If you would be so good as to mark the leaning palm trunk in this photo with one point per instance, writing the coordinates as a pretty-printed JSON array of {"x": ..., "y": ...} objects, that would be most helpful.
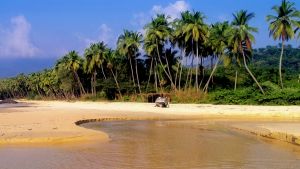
[
  {"x": 169, "y": 68},
  {"x": 116, "y": 81},
  {"x": 202, "y": 79},
  {"x": 150, "y": 73},
  {"x": 245, "y": 64},
  {"x": 132, "y": 75},
  {"x": 169, "y": 76},
  {"x": 205, "y": 89},
  {"x": 103, "y": 71},
  {"x": 82, "y": 91},
  {"x": 155, "y": 79},
  {"x": 280, "y": 65},
  {"x": 176, "y": 75},
  {"x": 137, "y": 76}
]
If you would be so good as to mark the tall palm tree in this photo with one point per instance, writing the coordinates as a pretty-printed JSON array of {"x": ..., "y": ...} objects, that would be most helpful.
[
  {"x": 94, "y": 59},
  {"x": 219, "y": 41},
  {"x": 111, "y": 59},
  {"x": 73, "y": 63},
  {"x": 282, "y": 26},
  {"x": 128, "y": 45},
  {"x": 242, "y": 39},
  {"x": 178, "y": 38},
  {"x": 195, "y": 31},
  {"x": 157, "y": 33}
]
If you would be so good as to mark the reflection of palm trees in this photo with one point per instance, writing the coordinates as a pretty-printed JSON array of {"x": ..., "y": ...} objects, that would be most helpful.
[{"x": 282, "y": 26}]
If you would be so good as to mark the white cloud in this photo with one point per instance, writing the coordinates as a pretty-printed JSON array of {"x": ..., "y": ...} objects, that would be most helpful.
[
  {"x": 173, "y": 10},
  {"x": 15, "y": 41},
  {"x": 104, "y": 33}
]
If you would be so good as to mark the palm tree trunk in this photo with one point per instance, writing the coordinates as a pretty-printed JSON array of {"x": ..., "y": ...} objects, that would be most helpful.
[
  {"x": 181, "y": 66},
  {"x": 202, "y": 79},
  {"x": 82, "y": 91},
  {"x": 137, "y": 76},
  {"x": 205, "y": 89},
  {"x": 170, "y": 78},
  {"x": 150, "y": 73},
  {"x": 103, "y": 71},
  {"x": 95, "y": 83},
  {"x": 92, "y": 84},
  {"x": 177, "y": 70},
  {"x": 116, "y": 81},
  {"x": 197, "y": 67},
  {"x": 245, "y": 64},
  {"x": 180, "y": 75},
  {"x": 159, "y": 81},
  {"x": 191, "y": 71},
  {"x": 132, "y": 75},
  {"x": 280, "y": 65},
  {"x": 235, "y": 81},
  {"x": 155, "y": 81},
  {"x": 169, "y": 69}
]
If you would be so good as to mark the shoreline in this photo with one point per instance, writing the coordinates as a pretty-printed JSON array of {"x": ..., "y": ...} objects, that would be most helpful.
[{"x": 56, "y": 122}]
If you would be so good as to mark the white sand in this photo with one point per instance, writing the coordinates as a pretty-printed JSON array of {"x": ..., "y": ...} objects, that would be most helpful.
[{"x": 33, "y": 122}]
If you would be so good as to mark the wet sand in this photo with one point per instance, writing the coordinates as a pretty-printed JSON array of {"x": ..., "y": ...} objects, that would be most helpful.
[{"x": 53, "y": 122}]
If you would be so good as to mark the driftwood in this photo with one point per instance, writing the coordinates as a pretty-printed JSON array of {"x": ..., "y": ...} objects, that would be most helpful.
[
  {"x": 8, "y": 101},
  {"x": 162, "y": 102}
]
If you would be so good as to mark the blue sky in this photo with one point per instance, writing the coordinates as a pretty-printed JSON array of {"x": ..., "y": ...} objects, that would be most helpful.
[{"x": 46, "y": 29}]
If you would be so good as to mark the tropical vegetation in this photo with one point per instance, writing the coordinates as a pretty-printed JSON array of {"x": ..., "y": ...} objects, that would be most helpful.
[{"x": 185, "y": 58}]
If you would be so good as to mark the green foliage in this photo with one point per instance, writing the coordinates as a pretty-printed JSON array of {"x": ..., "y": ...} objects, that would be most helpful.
[
  {"x": 250, "y": 96},
  {"x": 177, "y": 63}
]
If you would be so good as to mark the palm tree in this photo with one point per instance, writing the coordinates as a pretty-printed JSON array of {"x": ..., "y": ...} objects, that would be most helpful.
[
  {"x": 195, "y": 32},
  {"x": 73, "y": 63},
  {"x": 242, "y": 39},
  {"x": 95, "y": 57},
  {"x": 128, "y": 45},
  {"x": 157, "y": 33},
  {"x": 178, "y": 38},
  {"x": 111, "y": 59},
  {"x": 219, "y": 42},
  {"x": 282, "y": 26}
]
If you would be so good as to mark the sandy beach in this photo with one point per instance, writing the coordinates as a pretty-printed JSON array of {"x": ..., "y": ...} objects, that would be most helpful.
[{"x": 54, "y": 122}]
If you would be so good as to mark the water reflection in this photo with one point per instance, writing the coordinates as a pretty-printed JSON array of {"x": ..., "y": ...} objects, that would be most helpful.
[{"x": 158, "y": 144}]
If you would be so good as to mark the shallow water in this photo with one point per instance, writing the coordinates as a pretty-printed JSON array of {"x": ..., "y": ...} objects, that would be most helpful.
[{"x": 159, "y": 144}]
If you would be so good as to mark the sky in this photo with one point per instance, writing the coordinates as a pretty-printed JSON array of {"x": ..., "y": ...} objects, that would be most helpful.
[{"x": 34, "y": 33}]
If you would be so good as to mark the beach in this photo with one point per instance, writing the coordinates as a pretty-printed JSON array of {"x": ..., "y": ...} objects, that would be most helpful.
[{"x": 56, "y": 122}]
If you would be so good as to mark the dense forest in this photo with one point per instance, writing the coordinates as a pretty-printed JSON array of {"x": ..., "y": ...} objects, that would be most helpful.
[{"x": 186, "y": 59}]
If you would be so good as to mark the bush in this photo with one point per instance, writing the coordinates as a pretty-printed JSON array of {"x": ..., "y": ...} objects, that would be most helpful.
[{"x": 245, "y": 96}]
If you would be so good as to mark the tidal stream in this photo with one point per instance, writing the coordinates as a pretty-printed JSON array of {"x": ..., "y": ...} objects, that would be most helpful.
[{"x": 158, "y": 145}]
